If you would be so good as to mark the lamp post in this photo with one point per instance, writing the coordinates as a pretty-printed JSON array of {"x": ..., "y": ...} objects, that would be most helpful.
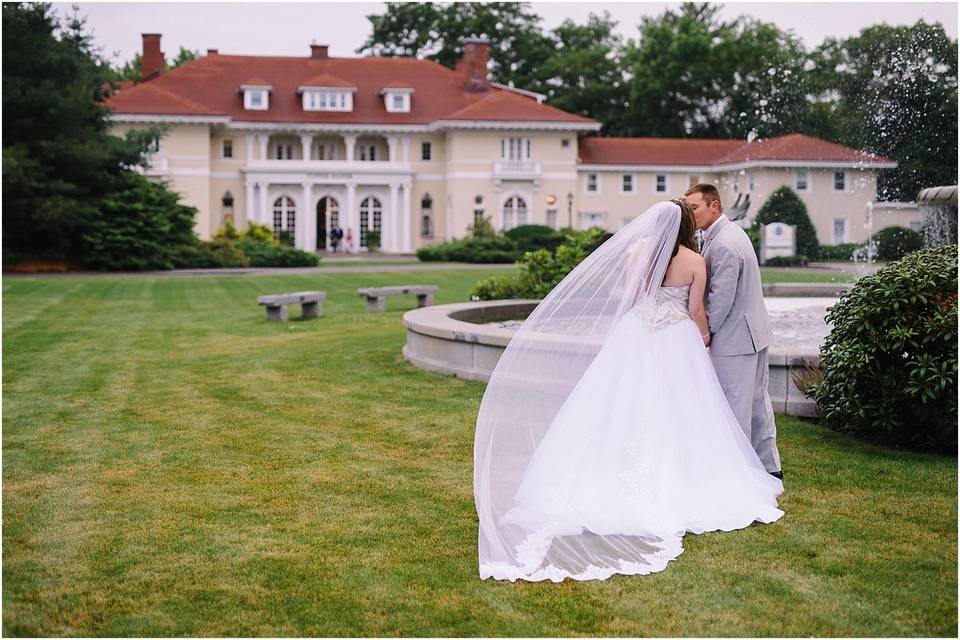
[{"x": 570, "y": 210}]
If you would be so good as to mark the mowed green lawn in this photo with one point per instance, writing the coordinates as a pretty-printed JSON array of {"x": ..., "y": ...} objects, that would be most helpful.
[{"x": 175, "y": 465}]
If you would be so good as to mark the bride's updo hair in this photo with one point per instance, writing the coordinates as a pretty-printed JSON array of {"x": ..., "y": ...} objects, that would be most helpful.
[{"x": 688, "y": 227}]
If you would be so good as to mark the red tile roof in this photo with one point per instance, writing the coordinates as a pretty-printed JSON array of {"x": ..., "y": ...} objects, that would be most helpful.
[
  {"x": 797, "y": 146},
  {"x": 687, "y": 151},
  {"x": 507, "y": 105},
  {"x": 210, "y": 85},
  {"x": 326, "y": 80},
  {"x": 660, "y": 151}
]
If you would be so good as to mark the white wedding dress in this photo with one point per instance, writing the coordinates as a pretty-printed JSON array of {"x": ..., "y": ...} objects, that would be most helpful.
[{"x": 644, "y": 449}]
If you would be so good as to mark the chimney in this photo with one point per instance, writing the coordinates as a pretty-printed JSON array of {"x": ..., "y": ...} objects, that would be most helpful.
[
  {"x": 476, "y": 53},
  {"x": 152, "y": 63},
  {"x": 319, "y": 51},
  {"x": 212, "y": 52}
]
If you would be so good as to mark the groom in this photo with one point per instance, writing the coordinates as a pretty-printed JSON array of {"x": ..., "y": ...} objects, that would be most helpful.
[{"x": 739, "y": 327}]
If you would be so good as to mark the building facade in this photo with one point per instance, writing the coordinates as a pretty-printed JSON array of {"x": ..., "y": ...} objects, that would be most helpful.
[{"x": 419, "y": 152}]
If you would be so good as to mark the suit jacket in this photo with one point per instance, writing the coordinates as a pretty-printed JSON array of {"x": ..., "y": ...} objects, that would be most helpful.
[{"x": 738, "y": 318}]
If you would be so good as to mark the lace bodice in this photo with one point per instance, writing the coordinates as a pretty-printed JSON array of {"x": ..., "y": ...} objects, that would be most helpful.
[{"x": 670, "y": 306}]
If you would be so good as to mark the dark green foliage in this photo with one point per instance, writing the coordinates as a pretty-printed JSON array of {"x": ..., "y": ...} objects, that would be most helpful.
[
  {"x": 891, "y": 90},
  {"x": 530, "y": 237},
  {"x": 216, "y": 254},
  {"x": 483, "y": 249},
  {"x": 787, "y": 261},
  {"x": 540, "y": 271},
  {"x": 139, "y": 225},
  {"x": 890, "y": 361},
  {"x": 838, "y": 252},
  {"x": 270, "y": 254},
  {"x": 373, "y": 240},
  {"x": 131, "y": 70},
  {"x": 786, "y": 206},
  {"x": 895, "y": 242},
  {"x": 59, "y": 162}
]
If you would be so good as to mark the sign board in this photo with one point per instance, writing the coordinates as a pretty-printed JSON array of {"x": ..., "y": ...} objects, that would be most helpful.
[{"x": 777, "y": 239}]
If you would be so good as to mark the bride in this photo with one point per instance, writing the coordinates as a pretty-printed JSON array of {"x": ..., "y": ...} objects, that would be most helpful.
[{"x": 603, "y": 435}]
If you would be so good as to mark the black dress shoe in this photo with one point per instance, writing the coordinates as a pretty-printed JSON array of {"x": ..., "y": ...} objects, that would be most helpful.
[{"x": 776, "y": 474}]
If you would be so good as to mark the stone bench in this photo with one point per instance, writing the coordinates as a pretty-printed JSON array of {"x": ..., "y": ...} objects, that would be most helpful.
[
  {"x": 276, "y": 304},
  {"x": 376, "y": 296}
]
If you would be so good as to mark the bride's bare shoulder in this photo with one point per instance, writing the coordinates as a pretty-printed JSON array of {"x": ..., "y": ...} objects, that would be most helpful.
[{"x": 689, "y": 255}]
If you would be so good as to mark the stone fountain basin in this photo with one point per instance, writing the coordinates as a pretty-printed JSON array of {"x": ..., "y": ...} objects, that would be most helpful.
[{"x": 467, "y": 339}]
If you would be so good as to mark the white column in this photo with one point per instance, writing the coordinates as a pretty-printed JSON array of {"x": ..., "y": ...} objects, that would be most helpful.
[
  {"x": 306, "y": 230},
  {"x": 249, "y": 209},
  {"x": 265, "y": 215},
  {"x": 250, "y": 139},
  {"x": 392, "y": 146},
  {"x": 351, "y": 217},
  {"x": 395, "y": 222},
  {"x": 405, "y": 208},
  {"x": 406, "y": 149},
  {"x": 349, "y": 142},
  {"x": 306, "y": 143},
  {"x": 448, "y": 220},
  {"x": 262, "y": 139}
]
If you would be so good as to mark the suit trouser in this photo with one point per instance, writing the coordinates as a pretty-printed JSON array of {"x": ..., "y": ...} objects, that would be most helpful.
[{"x": 744, "y": 380}]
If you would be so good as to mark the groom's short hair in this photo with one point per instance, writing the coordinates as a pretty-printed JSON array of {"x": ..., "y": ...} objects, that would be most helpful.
[{"x": 710, "y": 193}]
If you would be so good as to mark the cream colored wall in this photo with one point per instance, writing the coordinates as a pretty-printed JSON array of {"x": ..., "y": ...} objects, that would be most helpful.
[
  {"x": 620, "y": 207},
  {"x": 468, "y": 165},
  {"x": 823, "y": 203}
]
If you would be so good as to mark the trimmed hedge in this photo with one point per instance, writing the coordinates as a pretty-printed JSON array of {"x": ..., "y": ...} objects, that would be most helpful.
[
  {"x": 895, "y": 242},
  {"x": 483, "y": 249},
  {"x": 890, "y": 361},
  {"x": 785, "y": 206}
]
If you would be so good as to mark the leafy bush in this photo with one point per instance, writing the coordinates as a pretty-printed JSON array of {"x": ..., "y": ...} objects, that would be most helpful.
[
  {"x": 139, "y": 225},
  {"x": 540, "y": 271},
  {"x": 483, "y": 249},
  {"x": 530, "y": 237},
  {"x": 786, "y": 206},
  {"x": 258, "y": 232},
  {"x": 787, "y": 261},
  {"x": 285, "y": 238},
  {"x": 211, "y": 255},
  {"x": 266, "y": 254},
  {"x": 482, "y": 229},
  {"x": 373, "y": 240},
  {"x": 227, "y": 232},
  {"x": 496, "y": 288},
  {"x": 895, "y": 242},
  {"x": 838, "y": 252},
  {"x": 890, "y": 361}
]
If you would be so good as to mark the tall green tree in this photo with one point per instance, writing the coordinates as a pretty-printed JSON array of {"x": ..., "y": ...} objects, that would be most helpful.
[
  {"x": 130, "y": 70},
  {"x": 893, "y": 91},
  {"x": 434, "y": 31},
  {"x": 584, "y": 74},
  {"x": 693, "y": 74},
  {"x": 60, "y": 163},
  {"x": 58, "y": 158}
]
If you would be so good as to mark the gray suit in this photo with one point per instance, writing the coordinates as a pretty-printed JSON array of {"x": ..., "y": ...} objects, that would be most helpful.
[{"x": 741, "y": 334}]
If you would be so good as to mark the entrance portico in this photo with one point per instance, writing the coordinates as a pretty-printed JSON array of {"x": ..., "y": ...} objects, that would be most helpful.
[{"x": 352, "y": 199}]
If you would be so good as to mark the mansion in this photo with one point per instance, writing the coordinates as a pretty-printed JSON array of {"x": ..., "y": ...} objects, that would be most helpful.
[{"x": 419, "y": 152}]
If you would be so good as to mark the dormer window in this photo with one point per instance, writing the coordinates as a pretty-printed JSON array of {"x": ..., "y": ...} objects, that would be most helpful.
[
  {"x": 396, "y": 98},
  {"x": 256, "y": 96},
  {"x": 327, "y": 100},
  {"x": 326, "y": 93}
]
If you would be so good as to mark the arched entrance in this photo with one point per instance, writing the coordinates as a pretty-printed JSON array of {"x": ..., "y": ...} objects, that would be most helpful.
[
  {"x": 514, "y": 213},
  {"x": 328, "y": 217},
  {"x": 371, "y": 211},
  {"x": 285, "y": 219}
]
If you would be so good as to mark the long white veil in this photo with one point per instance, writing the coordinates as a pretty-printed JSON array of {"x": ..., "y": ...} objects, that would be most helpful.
[{"x": 541, "y": 365}]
